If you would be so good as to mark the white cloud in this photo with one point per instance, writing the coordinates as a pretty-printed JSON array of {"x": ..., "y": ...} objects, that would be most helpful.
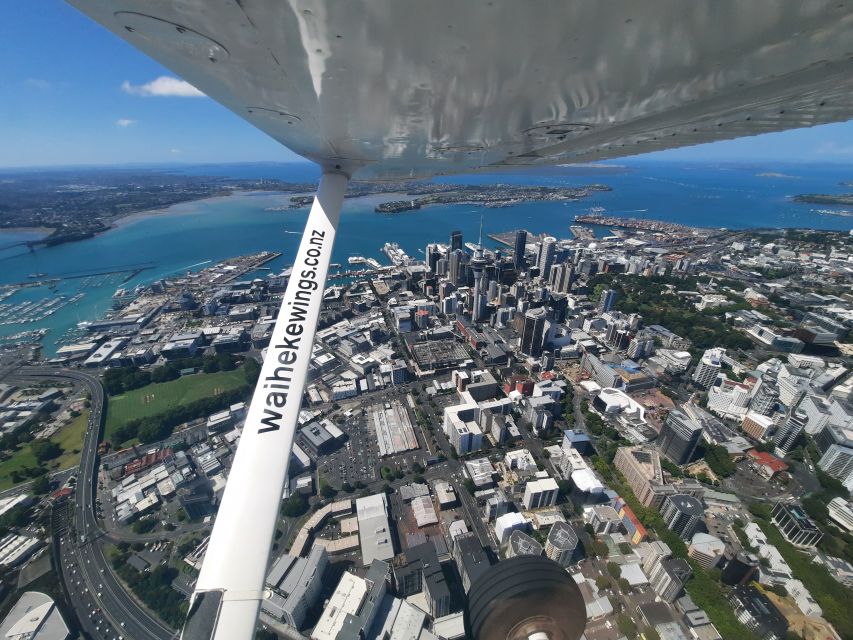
[
  {"x": 174, "y": 151},
  {"x": 125, "y": 122},
  {"x": 164, "y": 86},
  {"x": 832, "y": 148},
  {"x": 38, "y": 83}
]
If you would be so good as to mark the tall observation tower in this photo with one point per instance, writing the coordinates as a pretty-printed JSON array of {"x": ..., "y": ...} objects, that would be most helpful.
[{"x": 478, "y": 266}]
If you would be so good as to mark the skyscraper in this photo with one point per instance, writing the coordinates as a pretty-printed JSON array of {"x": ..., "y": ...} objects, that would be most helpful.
[
  {"x": 518, "y": 259},
  {"x": 532, "y": 332},
  {"x": 546, "y": 256},
  {"x": 432, "y": 256},
  {"x": 788, "y": 433},
  {"x": 679, "y": 436},
  {"x": 607, "y": 300},
  {"x": 561, "y": 277},
  {"x": 455, "y": 241},
  {"x": 456, "y": 268}
]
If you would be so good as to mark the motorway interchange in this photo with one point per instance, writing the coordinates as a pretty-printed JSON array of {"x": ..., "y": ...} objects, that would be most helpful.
[{"x": 104, "y": 608}]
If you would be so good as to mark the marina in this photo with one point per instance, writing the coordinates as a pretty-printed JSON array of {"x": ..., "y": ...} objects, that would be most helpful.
[{"x": 34, "y": 310}]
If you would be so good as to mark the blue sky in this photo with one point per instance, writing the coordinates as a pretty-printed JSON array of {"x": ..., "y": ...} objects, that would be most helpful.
[{"x": 73, "y": 93}]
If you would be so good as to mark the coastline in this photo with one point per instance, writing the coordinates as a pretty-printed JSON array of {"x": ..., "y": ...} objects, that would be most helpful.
[
  {"x": 165, "y": 211},
  {"x": 43, "y": 231}
]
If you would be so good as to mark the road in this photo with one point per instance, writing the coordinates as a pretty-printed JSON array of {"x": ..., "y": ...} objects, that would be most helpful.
[{"x": 88, "y": 575}]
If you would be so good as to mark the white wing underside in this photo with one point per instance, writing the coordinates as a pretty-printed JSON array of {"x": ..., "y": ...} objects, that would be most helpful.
[{"x": 402, "y": 88}]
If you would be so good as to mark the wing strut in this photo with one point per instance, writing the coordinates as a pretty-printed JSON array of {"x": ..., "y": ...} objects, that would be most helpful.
[{"x": 230, "y": 588}]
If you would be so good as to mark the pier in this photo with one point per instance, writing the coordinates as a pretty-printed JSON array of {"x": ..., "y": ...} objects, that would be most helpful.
[
  {"x": 657, "y": 226},
  {"x": 508, "y": 237},
  {"x": 251, "y": 263}
]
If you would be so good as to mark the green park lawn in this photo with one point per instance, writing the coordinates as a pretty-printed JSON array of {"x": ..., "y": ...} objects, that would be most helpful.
[
  {"x": 70, "y": 438},
  {"x": 153, "y": 399}
]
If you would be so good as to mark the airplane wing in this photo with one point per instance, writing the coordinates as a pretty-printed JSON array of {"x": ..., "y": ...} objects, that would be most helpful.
[
  {"x": 404, "y": 88},
  {"x": 388, "y": 89}
]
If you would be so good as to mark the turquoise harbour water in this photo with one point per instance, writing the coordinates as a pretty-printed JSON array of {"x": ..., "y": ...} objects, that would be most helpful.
[{"x": 193, "y": 235}]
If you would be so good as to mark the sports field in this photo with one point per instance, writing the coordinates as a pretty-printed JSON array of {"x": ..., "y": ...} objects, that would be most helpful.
[
  {"x": 70, "y": 438},
  {"x": 157, "y": 398}
]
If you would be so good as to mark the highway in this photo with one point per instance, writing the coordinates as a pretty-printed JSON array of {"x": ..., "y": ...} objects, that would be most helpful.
[{"x": 87, "y": 573}]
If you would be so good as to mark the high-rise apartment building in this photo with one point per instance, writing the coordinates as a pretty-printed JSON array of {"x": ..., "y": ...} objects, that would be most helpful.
[
  {"x": 765, "y": 396},
  {"x": 562, "y": 545},
  {"x": 607, "y": 300},
  {"x": 561, "y": 277},
  {"x": 787, "y": 435},
  {"x": 708, "y": 368},
  {"x": 679, "y": 436},
  {"x": 682, "y": 514}
]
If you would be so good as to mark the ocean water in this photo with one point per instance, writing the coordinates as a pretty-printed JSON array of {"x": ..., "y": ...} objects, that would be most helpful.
[{"x": 192, "y": 235}]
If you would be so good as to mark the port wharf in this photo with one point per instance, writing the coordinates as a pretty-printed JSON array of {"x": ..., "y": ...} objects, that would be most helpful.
[
  {"x": 508, "y": 237},
  {"x": 245, "y": 264},
  {"x": 658, "y": 226}
]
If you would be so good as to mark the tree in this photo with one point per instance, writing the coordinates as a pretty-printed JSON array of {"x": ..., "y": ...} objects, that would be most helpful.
[
  {"x": 328, "y": 491},
  {"x": 719, "y": 460},
  {"x": 295, "y": 506},
  {"x": 41, "y": 485},
  {"x": 45, "y": 450},
  {"x": 144, "y": 526},
  {"x": 226, "y": 362},
  {"x": 832, "y": 487},
  {"x": 16, "y": 517},
  {"x": 252, "y": 370},
  {"x": 602, "y": 582},
  {"x": 599, "y": 549},
  {"x": 671, "y": 468},
  {"x": 626, "y": 625},
  {"x": 614, "y": 569}
]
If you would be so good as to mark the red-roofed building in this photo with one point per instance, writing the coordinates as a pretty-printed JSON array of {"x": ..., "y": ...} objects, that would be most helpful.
[
  {"x": 60, "y": 494},
  {"x": 633, "y": 525},
  {"x": 522, "y": 384},
  {"x": 766, "y": 464}
]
